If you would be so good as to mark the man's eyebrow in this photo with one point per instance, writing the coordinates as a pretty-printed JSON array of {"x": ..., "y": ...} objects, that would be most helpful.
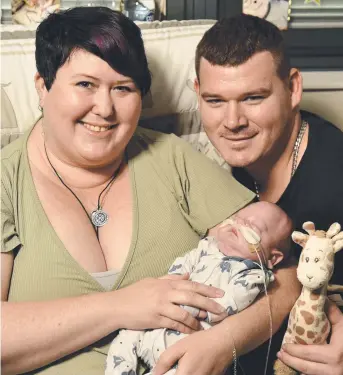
[
  {"x": 257, "y": 91},
  {"x": 206, "y": 94}
]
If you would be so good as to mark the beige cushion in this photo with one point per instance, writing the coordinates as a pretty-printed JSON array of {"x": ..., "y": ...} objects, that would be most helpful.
[{"x": 323, "y": 95}]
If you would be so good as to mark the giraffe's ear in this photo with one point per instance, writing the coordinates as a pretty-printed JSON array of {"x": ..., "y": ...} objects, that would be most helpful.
[
  {"x": 333, "y": 230},
  {"x": 300, "y": 238},
  {"x": 337, "y": 242},
  {"x": 309, "y": 227}
]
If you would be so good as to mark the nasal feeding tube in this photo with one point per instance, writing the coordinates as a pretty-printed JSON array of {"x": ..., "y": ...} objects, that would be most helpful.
[{"x": 254, "y": 242}]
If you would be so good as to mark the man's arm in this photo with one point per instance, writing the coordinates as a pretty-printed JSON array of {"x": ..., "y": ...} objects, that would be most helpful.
[
  {"x": 211, "y": 351},
  {"x": 251, "y": 327}
]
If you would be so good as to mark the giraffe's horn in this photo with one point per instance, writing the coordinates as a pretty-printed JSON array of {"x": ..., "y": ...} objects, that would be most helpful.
[
  {"x": 337, "y": 242},
  {"x": 299, "y": 238},
  {"x": 333, "y": 230},
  {"x": 309, "y": 227}
]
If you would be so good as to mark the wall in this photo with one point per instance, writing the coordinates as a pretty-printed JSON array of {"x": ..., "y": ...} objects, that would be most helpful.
[{"x": 323, "y": 94}]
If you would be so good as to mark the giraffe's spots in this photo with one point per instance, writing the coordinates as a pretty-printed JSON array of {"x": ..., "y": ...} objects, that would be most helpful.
[
  {"x": 330, "y": 256},
  {"x": 314, "y": 296},
  {"x": 300, "y": 302},
  {"x": 309, "y": 318},
  {"x": 289, "y": 331},
  {"x": 318, "y": 340},
  {"x": 310, "y": 334},
  {"x": 300, "y": 340},
  {"x": 325, "y": 327},
  {"x": 329, "y": 267},
  {"x": 293, "y": 313},
  {"x": 314, "y": 307},
  {"x": 299, "y": 330},
  {"x": 318, "y": 321}
]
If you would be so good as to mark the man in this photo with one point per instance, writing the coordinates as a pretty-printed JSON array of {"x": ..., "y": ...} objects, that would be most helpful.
[{"x": 249, "y": 99}]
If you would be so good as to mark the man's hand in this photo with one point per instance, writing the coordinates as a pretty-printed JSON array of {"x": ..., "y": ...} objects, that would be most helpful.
[
  {"x": 203, "y": 353},
  {"x": 318, "y": 359}
]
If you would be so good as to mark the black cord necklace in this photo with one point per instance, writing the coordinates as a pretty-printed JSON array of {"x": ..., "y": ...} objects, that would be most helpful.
[{"x": 98, "y": 217}]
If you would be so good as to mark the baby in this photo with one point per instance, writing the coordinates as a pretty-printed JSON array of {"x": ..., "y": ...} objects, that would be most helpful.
[{"x": 238, "y": 260}]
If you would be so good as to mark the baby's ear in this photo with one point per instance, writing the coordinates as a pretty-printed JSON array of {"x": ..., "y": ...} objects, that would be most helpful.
[{"x": 276, "y": 256}]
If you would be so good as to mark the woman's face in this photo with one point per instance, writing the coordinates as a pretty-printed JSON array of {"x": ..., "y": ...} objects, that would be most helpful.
[{"x": 90, "y": 112}]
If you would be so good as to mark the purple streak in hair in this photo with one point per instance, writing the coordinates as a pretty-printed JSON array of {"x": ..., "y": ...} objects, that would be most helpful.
[
  {"x": 99, "y": 41},
  {"x": 103, "y": 41}
]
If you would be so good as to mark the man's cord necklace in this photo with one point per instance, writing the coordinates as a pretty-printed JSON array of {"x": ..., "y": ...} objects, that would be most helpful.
[
  {"x": 98, "y": 217},
  {"x": 295, "y": 155}
]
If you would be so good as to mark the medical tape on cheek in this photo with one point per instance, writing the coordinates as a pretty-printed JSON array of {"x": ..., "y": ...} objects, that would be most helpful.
[
  {"x": 226, "y": 222},
  {"x": 252, "y": 238}
]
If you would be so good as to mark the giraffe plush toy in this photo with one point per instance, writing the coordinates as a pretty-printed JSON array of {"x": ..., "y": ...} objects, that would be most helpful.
[{"x": 308, "y": 323}]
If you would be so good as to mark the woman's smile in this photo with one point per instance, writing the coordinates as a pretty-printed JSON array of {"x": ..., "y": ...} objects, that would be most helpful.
[{"x": 97, "y": 128}]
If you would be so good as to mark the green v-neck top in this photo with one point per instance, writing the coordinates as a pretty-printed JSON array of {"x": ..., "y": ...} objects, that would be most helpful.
[{"x": 178, "y": 194}]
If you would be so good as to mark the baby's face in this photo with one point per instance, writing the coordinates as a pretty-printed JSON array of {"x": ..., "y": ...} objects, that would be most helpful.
[{"x": 242, "y": 238}]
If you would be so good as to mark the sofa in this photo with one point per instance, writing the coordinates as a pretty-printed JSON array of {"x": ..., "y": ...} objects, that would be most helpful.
[{"x": 171, "y": 106}]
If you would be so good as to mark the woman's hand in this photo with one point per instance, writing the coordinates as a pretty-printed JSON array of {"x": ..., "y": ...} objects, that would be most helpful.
[
  {"x": 155, "y": 303},
  {"x": 202, "y": 353},
  {"x": 318, "y": 359}
]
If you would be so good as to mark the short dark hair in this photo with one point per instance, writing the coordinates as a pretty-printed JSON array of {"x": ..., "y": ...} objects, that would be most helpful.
[
  {"x": 233, "y": 41},
  {"x": 101, "y": 31}
]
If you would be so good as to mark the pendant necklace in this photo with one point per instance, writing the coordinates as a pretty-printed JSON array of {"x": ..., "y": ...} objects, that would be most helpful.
[
  {"x": 98, "y": 217},
  {"x": 295, "y": 155}
]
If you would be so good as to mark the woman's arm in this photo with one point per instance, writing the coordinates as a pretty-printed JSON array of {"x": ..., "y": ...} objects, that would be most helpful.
[{"x": 35, "y": 334}]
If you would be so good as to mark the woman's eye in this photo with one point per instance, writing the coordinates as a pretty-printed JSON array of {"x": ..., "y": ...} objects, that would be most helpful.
[
  {"x": 123, "y": 89},
  {"x": 85, "y": 84}
]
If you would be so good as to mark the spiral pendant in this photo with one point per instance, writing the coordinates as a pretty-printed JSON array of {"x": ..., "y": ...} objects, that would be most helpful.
[{"x": 99, "y": 217}]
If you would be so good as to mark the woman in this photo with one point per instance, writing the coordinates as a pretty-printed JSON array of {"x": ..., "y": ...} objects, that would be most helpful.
[{"x": 91, "y": 204}]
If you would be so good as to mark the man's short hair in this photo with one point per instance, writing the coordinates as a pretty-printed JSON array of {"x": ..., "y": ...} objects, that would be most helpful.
[
  {"x": 232, "y": 41},
  {"x": 101, "y": 31}
]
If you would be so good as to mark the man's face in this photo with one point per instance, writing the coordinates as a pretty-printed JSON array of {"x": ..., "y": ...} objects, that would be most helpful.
[{"x": 247, "y": 111}]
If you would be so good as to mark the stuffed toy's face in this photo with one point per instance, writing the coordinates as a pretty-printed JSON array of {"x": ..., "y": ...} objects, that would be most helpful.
[
  {"x": 258, "y": 8},
  {"x": 316, "y": 263}
]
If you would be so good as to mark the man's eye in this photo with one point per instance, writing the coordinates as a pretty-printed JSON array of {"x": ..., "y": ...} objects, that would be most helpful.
[
  {"x": 253, "y": 98},
  {"x": 85, "y": 84},
  {"x": 213, "y": 101}
]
